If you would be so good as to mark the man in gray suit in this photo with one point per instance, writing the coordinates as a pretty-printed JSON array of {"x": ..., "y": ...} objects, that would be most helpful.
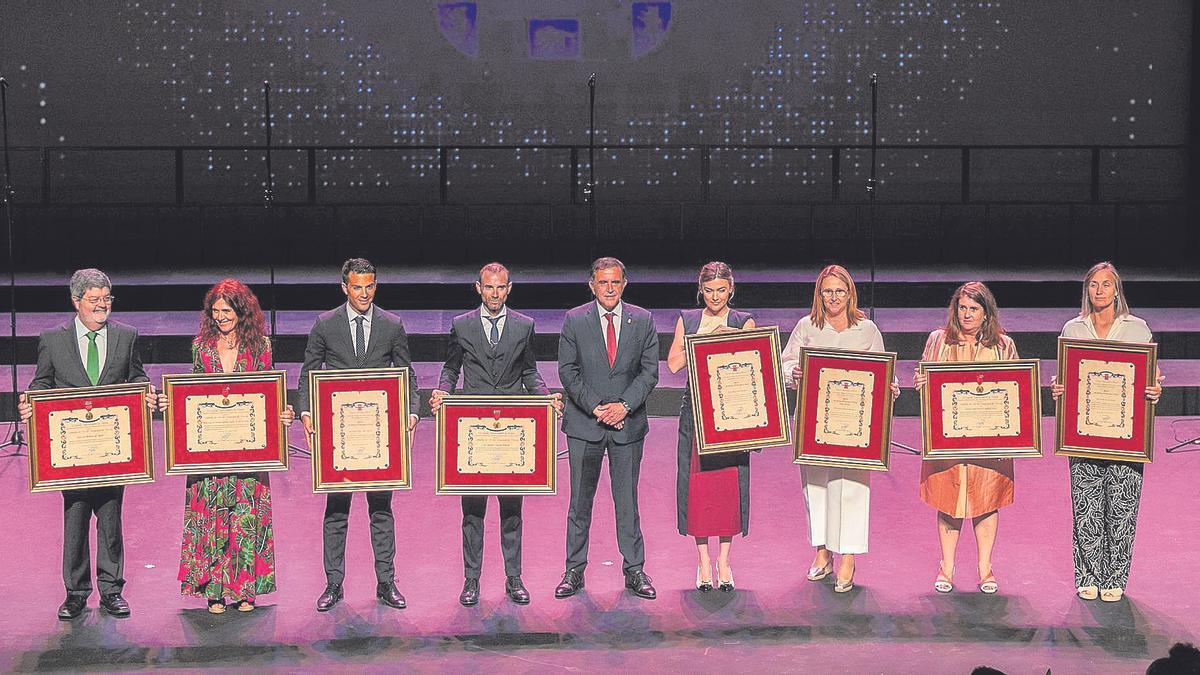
[
  {"x": 608, "y": 364},
  {"x": 90, "y": 350},
  {"x": 492, "y": 347},
  {"x": 357, "y": 335}
]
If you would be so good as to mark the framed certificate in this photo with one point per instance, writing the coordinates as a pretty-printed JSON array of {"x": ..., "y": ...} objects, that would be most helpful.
[
  {"x": 1103, "y": 412},
  {"x": 981, "y": 409},
  {"x": 736, "y": 388},
  {"x": 496, "y": 445},
  {"x": 225, "y": 422},
  {"x": 360, "y": 429},
  {"x": 89, "y": 437},
  {"x": 844, "y": 416}
]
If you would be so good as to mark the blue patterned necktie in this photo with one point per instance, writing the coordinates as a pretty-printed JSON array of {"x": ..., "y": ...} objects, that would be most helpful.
[{"x": 494, "y": 338}]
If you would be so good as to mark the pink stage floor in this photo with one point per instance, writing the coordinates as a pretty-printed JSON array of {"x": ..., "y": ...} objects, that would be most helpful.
[{"x": 893, "y": 622}]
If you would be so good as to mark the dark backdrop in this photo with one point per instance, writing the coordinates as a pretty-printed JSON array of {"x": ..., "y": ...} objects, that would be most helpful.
[{"x": 401, "y": 120}]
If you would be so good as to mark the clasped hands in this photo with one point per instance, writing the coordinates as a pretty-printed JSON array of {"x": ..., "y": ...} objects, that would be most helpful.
[{"x": 613, "y": 414}]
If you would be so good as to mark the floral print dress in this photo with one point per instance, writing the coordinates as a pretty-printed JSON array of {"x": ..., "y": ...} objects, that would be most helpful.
[{"x": 228, "y": 548}]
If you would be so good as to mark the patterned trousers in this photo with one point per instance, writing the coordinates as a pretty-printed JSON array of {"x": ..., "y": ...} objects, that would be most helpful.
[{"x": 1104, "y": 500}]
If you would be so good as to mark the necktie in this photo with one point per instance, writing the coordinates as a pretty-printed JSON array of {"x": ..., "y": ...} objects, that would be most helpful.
[
  {"x": 360, "y": 341},
  {"x": 93, "y": 358},
  {"x": 494, "y": 338},
  {"x": 612, "y": 340}
]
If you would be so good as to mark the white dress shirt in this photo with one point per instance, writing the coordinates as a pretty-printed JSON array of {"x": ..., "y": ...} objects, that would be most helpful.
[
  {"x": 617, "y": 312},
  {"x": 82, "y": 341},
  {"x": 1128, "y": 328},
  {"x": 354, "y": 327},
  {"x": 487, "y": 323}
]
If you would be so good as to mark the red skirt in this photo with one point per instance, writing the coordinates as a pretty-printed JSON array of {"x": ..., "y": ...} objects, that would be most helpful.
[{"x": 714, "y": 501}]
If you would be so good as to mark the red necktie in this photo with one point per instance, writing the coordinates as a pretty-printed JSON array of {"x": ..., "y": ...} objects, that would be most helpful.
[{"x": 612, "y": 340}]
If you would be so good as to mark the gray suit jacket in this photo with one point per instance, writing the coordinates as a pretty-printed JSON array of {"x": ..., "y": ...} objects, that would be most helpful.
[
  {"x": 589, "y": 381},
  {"x": 508, "y": 368},
  {"x": 329, "y": 346},
  {"x": 59, "y": 365}
]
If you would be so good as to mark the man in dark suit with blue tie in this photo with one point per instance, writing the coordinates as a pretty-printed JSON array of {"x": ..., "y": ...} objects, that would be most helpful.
[
  {"x": 492, "y": 347},
  {"x": 90, "y": 350},
  {"x": 358, "y": 335},
  {"x": 608, "y": 364}
]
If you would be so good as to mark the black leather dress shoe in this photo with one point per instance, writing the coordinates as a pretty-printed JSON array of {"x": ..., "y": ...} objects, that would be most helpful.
[
  {"x": 470, "y": 595},
  {"x": 72, "y": 607},
  {"x": 388, "y": 595},
  {"x": 572, "y": 583},
  {"x": 639, "y": 583},
  {"x": 516, "y": 590},
  {"x": 331, "y": 597},
  {"x": 114, "y": 604}
]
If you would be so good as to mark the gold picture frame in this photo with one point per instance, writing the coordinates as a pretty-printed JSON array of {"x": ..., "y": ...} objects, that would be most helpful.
[
  {"x": 542, "y": 476},
  {"x": 183, "y": 460},
  {"x": 326, "y": 474}
]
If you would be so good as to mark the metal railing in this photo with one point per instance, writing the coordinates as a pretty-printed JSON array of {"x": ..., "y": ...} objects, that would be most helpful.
[{"x": 439, "y": 160}]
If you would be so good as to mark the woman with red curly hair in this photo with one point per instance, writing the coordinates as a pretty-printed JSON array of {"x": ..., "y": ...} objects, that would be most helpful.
[{"x": 228, "y": 553}]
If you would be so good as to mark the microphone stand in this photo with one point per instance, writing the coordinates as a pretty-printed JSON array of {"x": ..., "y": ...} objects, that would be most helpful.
[
  {"x": 1183, "y": 444},
  {"x": 589, "y": 188},
  {"x": 16, "y": 439},
  {"x": 871, "y": 189},
  {"x": 269, "y": 201},
  {"x": 269, "y": 204},
  {"x": 907, "y": 449}
]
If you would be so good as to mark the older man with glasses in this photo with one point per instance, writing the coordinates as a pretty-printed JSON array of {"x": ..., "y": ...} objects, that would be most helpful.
[{"x": 90, "y": 350}]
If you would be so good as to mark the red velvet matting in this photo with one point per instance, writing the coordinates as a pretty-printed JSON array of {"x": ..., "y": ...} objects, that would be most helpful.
[
  {"x": 180, "y": 454},
  {"x": 449, "y": 421},
  {"x": 397, "y": 469},
  {"x": 766, "y": 351},
  {"x": 809, "y": 445},
  {"x": 1025, "y": 400},
  {"x": 1070, "y": 401},
  {"x": 137, "y": 412}
]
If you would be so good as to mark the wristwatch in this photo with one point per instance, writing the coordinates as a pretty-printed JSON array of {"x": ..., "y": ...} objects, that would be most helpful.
[{"x": 628, "y": 410}]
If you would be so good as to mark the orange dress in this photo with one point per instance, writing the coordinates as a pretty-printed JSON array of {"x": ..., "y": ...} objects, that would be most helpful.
[{"x": 977, "y": 487}]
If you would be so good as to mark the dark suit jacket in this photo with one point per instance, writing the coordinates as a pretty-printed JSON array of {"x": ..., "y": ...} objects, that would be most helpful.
[
  {"x": 589, "y": 381},
  {"x": 59, "y": 365},
  {"x": 329, "y": 346},
  {"x": 509, "y": 368}
]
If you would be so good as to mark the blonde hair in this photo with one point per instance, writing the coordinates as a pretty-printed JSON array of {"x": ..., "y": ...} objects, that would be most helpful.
[
  {"x": 853, "y": 313},
  {"x": 1122, "y": 305}
]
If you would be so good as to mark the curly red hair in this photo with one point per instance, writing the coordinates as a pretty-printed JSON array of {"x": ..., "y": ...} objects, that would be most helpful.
[{"x": 251, "y": 327}]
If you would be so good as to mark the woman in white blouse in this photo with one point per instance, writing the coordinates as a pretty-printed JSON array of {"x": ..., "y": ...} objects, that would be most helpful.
[
  {"x": 1105, "y": 494},
  {"x": 838, "y": 500}
]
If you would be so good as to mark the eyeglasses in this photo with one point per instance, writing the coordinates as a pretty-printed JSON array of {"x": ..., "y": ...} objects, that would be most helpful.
[
  {"x": 108, "y": 300},
  {"x": 833, "y": 292}
]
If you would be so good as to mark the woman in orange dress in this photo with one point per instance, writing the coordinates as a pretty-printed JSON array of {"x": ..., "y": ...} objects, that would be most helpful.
[{"x": 979, "y": 488}]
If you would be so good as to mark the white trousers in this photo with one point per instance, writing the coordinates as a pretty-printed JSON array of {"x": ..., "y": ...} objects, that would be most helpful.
[{"x": 839, "y": 507}]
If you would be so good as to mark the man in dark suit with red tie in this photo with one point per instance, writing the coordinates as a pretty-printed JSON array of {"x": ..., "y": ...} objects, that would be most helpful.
[
  {"x": 492, "y": 347},
  {"x": 608, "y": 364}
]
